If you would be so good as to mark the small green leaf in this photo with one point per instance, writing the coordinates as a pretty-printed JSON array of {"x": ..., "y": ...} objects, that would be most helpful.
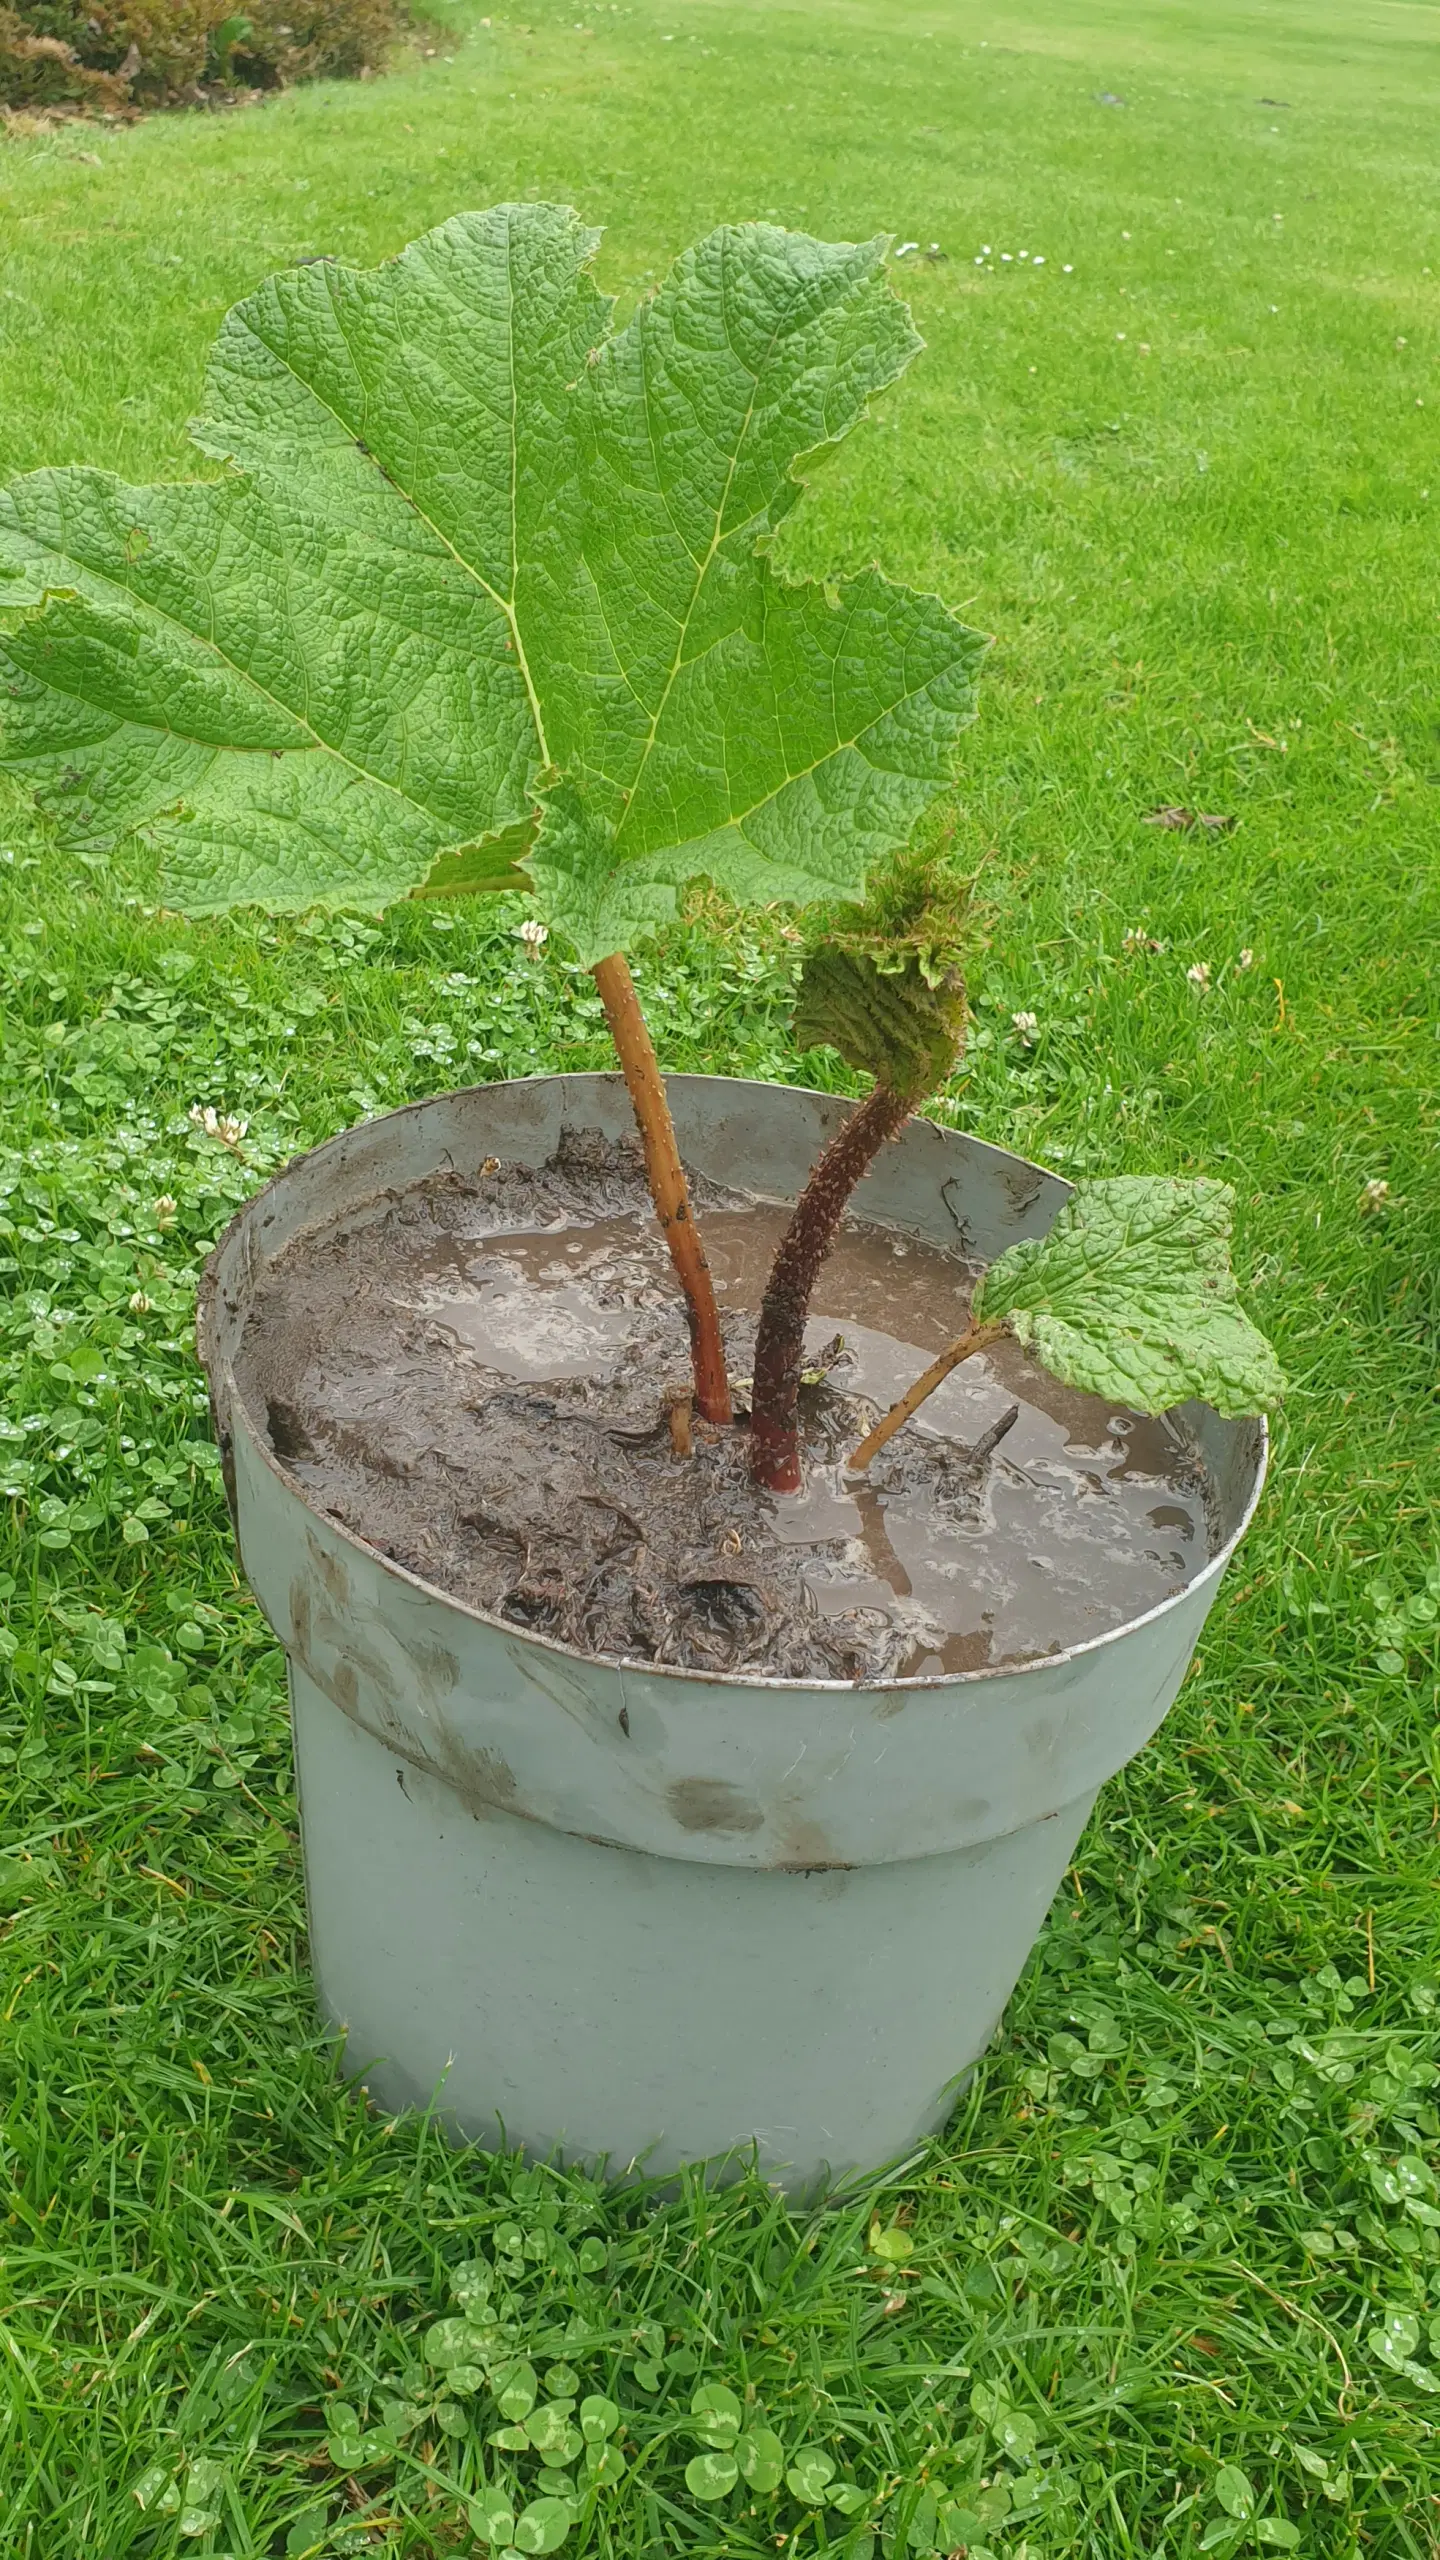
[
  {"x": 1130, "y": 1295},
  {"x": 1234, "y": 2492},
  {"x": 599, "y": 2418},
  {"x": 156, "y": 2488},
  {"x": 455, "y": 2342},
  {"x": 472, "y": 2284},
  {"x": 711, "y": 2475},
  {"x": 492, "y": 2518},
  {"x": 809, "y": 2476},
  {"x": 562, "y": 2382},
  {"x": 593, "y": 2257},
  {"x": 351, "y": 2446},
  {"x": 894, "y": 2247},
  {"x": 544, "y": 2524},
  {"x": 1399, "y": 2337},
  {"x": 1278, "y": 2532},
  {"x": 604, "y": 2465},
  {"x": 761, "y": 2457},
  {"x": 552, "y": 2432},
  {"x": 307, "y": 2535},
  {"x": 647, "y": 2375},
  {"x": 515, "y": 2389},
  {"x": 847, "y": 2497},
  {"x": 1018, "y": 2434},
  {"x": 509, "y": 2439},
  {"x": 717, "y": 2414}
]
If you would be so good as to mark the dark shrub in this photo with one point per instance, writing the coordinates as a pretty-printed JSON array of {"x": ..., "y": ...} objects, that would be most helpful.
[{"x": 118, "y": 54}]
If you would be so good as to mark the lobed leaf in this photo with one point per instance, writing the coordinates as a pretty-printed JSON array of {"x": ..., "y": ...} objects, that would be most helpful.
[
  {"x": 1131, "y": 1296},
  {"x": 473, "y": 562}
]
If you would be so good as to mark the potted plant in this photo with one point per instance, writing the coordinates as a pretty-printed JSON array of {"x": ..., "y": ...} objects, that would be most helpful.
[{"x": 482, "y": 598}]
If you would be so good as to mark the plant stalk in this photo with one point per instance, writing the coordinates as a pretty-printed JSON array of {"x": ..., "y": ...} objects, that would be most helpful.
[
  {"x": 780, "y": 1340},
  {"x": 666, "y": 1176},
  {"x": 974, "y": 1338}
]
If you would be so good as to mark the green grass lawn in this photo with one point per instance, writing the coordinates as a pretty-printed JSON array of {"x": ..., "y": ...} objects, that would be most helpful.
[{"x": 1171, "y": 2282}]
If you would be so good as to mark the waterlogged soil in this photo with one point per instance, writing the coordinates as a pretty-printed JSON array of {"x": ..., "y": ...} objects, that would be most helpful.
[{"x": 487, "y": 1381}]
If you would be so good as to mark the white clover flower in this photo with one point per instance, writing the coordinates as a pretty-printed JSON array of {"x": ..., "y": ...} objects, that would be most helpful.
[
  {"x": 1037, "y": 261},
  {"x": 1246, "y": 959},
  {"x": 985, "y": 251},
  {"x": 1376, "y": 1195},
  {"x": 164, "y": 1210},
  {"x": 1198, "y": 974},
  {"x": 139, "y": 1303},
  {"x": 1027, "y": 1024},
  {"x": 1138, "y": 940},
  {"x": 218, "y": 1124},
  {"x": 533, "y": 933},
  {"x": 1067, "y": 271}
]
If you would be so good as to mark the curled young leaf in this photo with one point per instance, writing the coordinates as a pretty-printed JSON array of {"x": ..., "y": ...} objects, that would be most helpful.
[
  {"x": 883, "y": 1013},
  {"x": 1130, "y": 1295}
]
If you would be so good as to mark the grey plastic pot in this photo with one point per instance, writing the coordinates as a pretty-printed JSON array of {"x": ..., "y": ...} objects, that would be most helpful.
[{"x": 623, "y": 1913}]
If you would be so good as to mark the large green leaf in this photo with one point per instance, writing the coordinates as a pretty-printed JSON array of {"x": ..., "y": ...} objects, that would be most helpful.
[
  {"x": 1130, "y": 1295},
  {"x": 471, "y": 557}
]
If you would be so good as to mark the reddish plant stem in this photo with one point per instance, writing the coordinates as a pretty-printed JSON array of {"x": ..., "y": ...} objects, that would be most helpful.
[
  {"x": 666, "y": 1176},
  {"x": 780, "y": 1341}
]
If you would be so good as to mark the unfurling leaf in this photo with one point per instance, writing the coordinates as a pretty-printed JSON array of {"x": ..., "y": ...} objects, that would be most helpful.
[
  {"x": 474, "y": 562},
  {"x": 883, "y": 1014},
  {"x": 1131, "y": 1296}
]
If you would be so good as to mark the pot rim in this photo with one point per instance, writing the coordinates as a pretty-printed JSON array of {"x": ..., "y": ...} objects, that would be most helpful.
[{"x": 432, "y": 1591}]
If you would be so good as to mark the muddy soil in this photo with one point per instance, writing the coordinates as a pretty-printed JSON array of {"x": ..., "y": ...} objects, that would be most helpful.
[{"x": 481, "y": 1381}]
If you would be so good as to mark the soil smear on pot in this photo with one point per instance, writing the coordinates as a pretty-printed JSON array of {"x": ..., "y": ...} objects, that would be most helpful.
[{"x": 486, "y": 1379}]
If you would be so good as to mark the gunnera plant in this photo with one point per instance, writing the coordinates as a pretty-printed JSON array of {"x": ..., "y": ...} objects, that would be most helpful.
[{"x": 480, "y": 595}]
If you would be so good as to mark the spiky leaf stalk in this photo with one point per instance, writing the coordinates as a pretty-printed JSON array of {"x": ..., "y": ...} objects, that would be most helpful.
[{"x": 892, "y": 1003}]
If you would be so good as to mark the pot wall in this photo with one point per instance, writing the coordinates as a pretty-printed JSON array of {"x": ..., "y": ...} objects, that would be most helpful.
[{"x": 661, "y": 1915}]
